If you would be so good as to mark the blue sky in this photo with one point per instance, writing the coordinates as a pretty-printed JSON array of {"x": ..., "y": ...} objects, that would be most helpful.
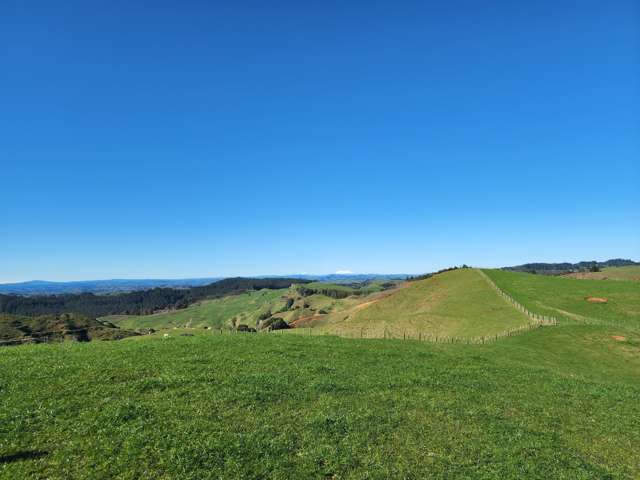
[{"x": 182, "y": 139}]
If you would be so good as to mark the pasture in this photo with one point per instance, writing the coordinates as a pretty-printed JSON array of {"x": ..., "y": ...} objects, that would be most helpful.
[
  {"x": 558, "y": 402},
  {"x": 246, "y": 307},
  {"x": 574, "y": 300},
  {"x": 458, "y": 303}
]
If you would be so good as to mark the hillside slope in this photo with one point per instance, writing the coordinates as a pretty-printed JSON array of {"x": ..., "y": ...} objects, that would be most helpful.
[
  {"x": 457, "y": 303},
  {"x": 290, "y": 304},
  {"x": 570, "y": 299},
  {"x": 217, "y": 313}
]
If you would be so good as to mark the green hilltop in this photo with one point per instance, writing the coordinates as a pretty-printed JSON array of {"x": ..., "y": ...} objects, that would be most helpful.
[
  {"x": 574, "y": 300},
  {"x": 459, "y": 303}
]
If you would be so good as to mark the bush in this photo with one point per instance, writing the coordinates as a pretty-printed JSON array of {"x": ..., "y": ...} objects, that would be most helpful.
[
  {"x": 278, "y": 324},
  {"x": 245, "y": 328}
]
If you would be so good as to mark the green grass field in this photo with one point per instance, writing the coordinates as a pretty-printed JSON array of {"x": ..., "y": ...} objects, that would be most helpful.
[
  {"x": 246, "y": 307},
  {"x": 459, "y": 303},
  {"x": 566, "y": 298},
  {"x": 557, "y": 402},
  {"x": 365, "y": 289},
  {"x": 628, "y": 272}
]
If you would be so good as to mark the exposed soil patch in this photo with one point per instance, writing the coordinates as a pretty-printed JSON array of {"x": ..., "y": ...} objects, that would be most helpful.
[
  {"x": 366, "y": 304},
  {"x": 619, "y": 338},
  {"x": 296, "y": 323},
  {"x": 596, "y": 300}
]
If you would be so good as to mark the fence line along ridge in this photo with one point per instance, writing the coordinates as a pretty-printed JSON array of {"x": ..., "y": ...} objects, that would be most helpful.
[{"x": 536, "y": 317}]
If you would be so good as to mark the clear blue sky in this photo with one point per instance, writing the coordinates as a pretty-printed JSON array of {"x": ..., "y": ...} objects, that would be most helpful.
[{"x": 198, "y": 138}]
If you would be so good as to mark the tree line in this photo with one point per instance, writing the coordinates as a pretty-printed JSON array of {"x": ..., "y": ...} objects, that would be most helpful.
[
  {"x": 566, "y": 267},
  {"x": 143, "y": 302},
  {"x": 429, "y": 275}
]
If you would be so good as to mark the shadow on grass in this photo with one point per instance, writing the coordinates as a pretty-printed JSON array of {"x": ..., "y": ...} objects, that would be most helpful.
[{"x": 24, "y": 455}]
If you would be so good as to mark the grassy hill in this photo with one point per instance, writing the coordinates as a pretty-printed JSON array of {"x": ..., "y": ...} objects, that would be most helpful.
[
  {"x": 456, "y": 303},
  {"x": 570, "y": 299},
  {"x": 556, "y": 402},
  {"x": 246, "y": 307},
  {"x": 629, "y": 272},
  {"x": 341, "y": 290},
  {"x": 292, "y": 304},
  {"x": 15, "y": 329}
]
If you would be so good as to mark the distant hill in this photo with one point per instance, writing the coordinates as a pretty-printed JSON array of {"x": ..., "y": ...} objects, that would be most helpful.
[
  {"x": 563, "y": 268},
  {"x": 353, "y": 277},
  {"x": 135, "y": 303},
  {"x": 42, "y": 287},
  {"x": 256, "y": 308},
  {"x": 627, "y": 272},
  {"x": 104, "y": 287}
]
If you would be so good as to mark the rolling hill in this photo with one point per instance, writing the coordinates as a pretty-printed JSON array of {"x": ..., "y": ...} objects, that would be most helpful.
[
  {"x": 138, "y": 302},
  {"x": 457, "y": 303},
  {"x": 102, "y": 287},
  {"x": 216, "y": 313},
  {"x": 567, "y": 267},
  {"x": 574, "y": 300},
  {"x": 291, "y": 304}
]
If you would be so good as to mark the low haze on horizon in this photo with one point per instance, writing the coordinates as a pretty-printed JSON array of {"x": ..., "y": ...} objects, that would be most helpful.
[{"x": 243, "y": 138}]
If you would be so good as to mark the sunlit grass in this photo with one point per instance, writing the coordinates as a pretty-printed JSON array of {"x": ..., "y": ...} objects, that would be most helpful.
[{"x": 559, "y": 402}]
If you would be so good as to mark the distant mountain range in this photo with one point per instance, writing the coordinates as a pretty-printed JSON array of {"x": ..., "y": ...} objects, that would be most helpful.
[
  {"x": 42, "y": 287},
  {"x": 351, "y": 277},
  {"x": 104, "y": 287}
]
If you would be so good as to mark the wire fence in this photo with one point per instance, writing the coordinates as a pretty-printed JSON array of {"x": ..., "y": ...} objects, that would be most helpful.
[
  {"x": 535, "y": 317},
  {"x": 551, "y": 320},
  {"x": 414, "y": 335}
]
